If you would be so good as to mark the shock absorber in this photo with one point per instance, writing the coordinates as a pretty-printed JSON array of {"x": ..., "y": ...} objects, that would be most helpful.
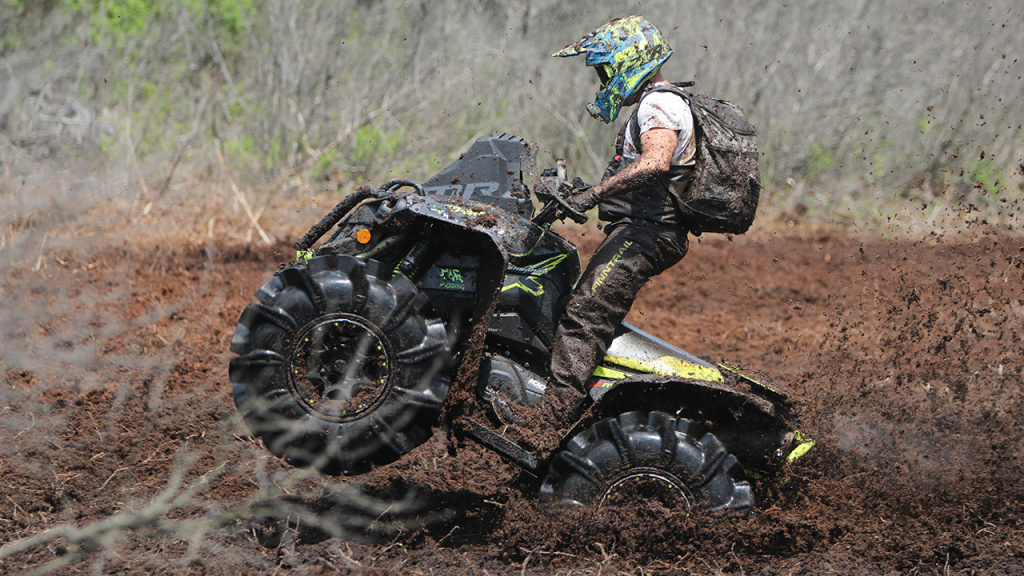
[{"x": 411, "y": 263}]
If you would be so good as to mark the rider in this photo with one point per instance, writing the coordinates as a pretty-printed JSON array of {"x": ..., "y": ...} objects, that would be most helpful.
[{"x": 637, "y": 197}]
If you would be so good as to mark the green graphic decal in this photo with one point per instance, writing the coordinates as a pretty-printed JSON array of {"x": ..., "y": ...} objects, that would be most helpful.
[
  {"x": 451, "y": 279},
  {"x": 446, "y": 210},
  {"x": 534, "y": 272}
]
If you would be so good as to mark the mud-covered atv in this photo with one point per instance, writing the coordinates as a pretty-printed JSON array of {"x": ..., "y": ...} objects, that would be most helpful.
[{"x": 450, "y": 290}]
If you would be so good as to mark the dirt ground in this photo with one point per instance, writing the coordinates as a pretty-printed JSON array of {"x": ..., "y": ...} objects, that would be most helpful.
[{"x": 121, "y": 452}]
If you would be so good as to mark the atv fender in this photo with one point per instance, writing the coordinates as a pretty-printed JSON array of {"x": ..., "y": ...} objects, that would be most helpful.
[{"x": 757, "y": 430}]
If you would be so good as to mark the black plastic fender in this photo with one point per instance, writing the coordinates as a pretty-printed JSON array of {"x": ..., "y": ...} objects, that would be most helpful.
[{"x": 758, "y": 430}]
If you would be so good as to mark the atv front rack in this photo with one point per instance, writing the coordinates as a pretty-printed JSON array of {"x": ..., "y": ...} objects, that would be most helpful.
[{"x": 346, "y": 205}]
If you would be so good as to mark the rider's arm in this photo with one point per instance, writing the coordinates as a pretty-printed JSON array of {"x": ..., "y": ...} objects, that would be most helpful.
[{"x": 658, "y": 146}]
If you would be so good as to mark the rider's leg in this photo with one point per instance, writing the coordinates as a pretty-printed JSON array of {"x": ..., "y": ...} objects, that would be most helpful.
[{"x": 630, "y": 255}]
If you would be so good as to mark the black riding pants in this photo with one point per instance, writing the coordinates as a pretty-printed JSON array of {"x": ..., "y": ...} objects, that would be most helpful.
[{"x": 631, "y": 254}]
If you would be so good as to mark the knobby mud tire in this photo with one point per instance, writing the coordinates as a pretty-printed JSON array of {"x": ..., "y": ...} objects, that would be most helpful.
[
  {"x": 339, "y": 366},
  {"x": 674, "y": 452}
]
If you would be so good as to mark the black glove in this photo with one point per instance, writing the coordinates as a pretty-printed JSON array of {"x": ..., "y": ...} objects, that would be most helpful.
[{"x": 582, "y": 200}]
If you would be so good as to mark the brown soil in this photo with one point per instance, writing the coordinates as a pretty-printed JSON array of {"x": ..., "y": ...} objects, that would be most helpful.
[{"x": 120, "y": 436}]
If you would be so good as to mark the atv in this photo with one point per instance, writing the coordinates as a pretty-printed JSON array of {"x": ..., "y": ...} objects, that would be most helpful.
[{"x": 435, "y": 304}]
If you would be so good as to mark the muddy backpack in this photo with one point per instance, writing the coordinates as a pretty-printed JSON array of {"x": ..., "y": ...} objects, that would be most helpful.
[{"x": 725, "y": 186}]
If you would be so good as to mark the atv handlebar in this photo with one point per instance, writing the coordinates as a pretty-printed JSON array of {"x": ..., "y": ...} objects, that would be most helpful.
[{"x": 553, "y": 189}]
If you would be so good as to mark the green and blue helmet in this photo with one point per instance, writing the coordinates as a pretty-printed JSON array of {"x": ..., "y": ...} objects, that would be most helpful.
[{"x": 626, "y": 52}]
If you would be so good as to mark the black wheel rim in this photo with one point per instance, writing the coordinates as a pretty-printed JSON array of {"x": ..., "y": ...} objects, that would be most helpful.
[
  {"x": 646, "y": 483},
  {"x": 340, "y": 367}
]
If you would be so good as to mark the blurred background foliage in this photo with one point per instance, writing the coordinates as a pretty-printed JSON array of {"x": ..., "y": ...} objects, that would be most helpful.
[{"x": 866, "y": 109}]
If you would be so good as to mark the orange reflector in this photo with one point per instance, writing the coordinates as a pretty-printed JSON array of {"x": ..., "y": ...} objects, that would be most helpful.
[{"x": 363, "y": 236}]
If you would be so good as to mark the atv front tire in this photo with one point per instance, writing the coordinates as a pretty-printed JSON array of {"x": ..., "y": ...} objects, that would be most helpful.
[
  {"x": 616, "y": 457},
  {"x": 337, "y": 367}
]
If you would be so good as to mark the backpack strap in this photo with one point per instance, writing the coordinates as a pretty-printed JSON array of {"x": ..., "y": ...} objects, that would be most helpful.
[
  {"x": 615, "y": 164},
  {"x": 620, "y": 139}
]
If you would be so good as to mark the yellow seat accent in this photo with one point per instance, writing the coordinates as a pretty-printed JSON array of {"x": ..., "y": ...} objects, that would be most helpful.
[
  {"x": 602, "y": 372},
  {"x": 668, "y": 366}
]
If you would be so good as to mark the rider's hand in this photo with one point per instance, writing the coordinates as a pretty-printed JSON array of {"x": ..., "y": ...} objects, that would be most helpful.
[{"x": 582, "y": 200}]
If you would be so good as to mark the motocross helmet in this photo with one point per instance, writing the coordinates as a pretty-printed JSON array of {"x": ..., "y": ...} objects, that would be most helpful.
[{"x": 626, "y": 52}]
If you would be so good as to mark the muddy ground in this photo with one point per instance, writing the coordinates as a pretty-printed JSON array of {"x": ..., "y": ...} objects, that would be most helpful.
[{"x": 120, "y": 450}]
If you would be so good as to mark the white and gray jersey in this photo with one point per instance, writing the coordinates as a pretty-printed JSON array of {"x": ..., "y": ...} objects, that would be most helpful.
[{"x": 665, "y": 110}]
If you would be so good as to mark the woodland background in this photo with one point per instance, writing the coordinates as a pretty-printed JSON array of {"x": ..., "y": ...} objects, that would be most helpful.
[{"x": 869, "y": 110}]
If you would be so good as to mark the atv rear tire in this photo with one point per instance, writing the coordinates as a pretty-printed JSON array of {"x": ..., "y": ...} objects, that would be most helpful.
[
  {"x": 667, "y": 454},
  {"x": 338, "y": 368}
]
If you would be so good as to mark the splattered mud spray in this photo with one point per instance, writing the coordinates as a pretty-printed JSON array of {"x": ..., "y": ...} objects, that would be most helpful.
[{"x": 119, "y": 431}]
